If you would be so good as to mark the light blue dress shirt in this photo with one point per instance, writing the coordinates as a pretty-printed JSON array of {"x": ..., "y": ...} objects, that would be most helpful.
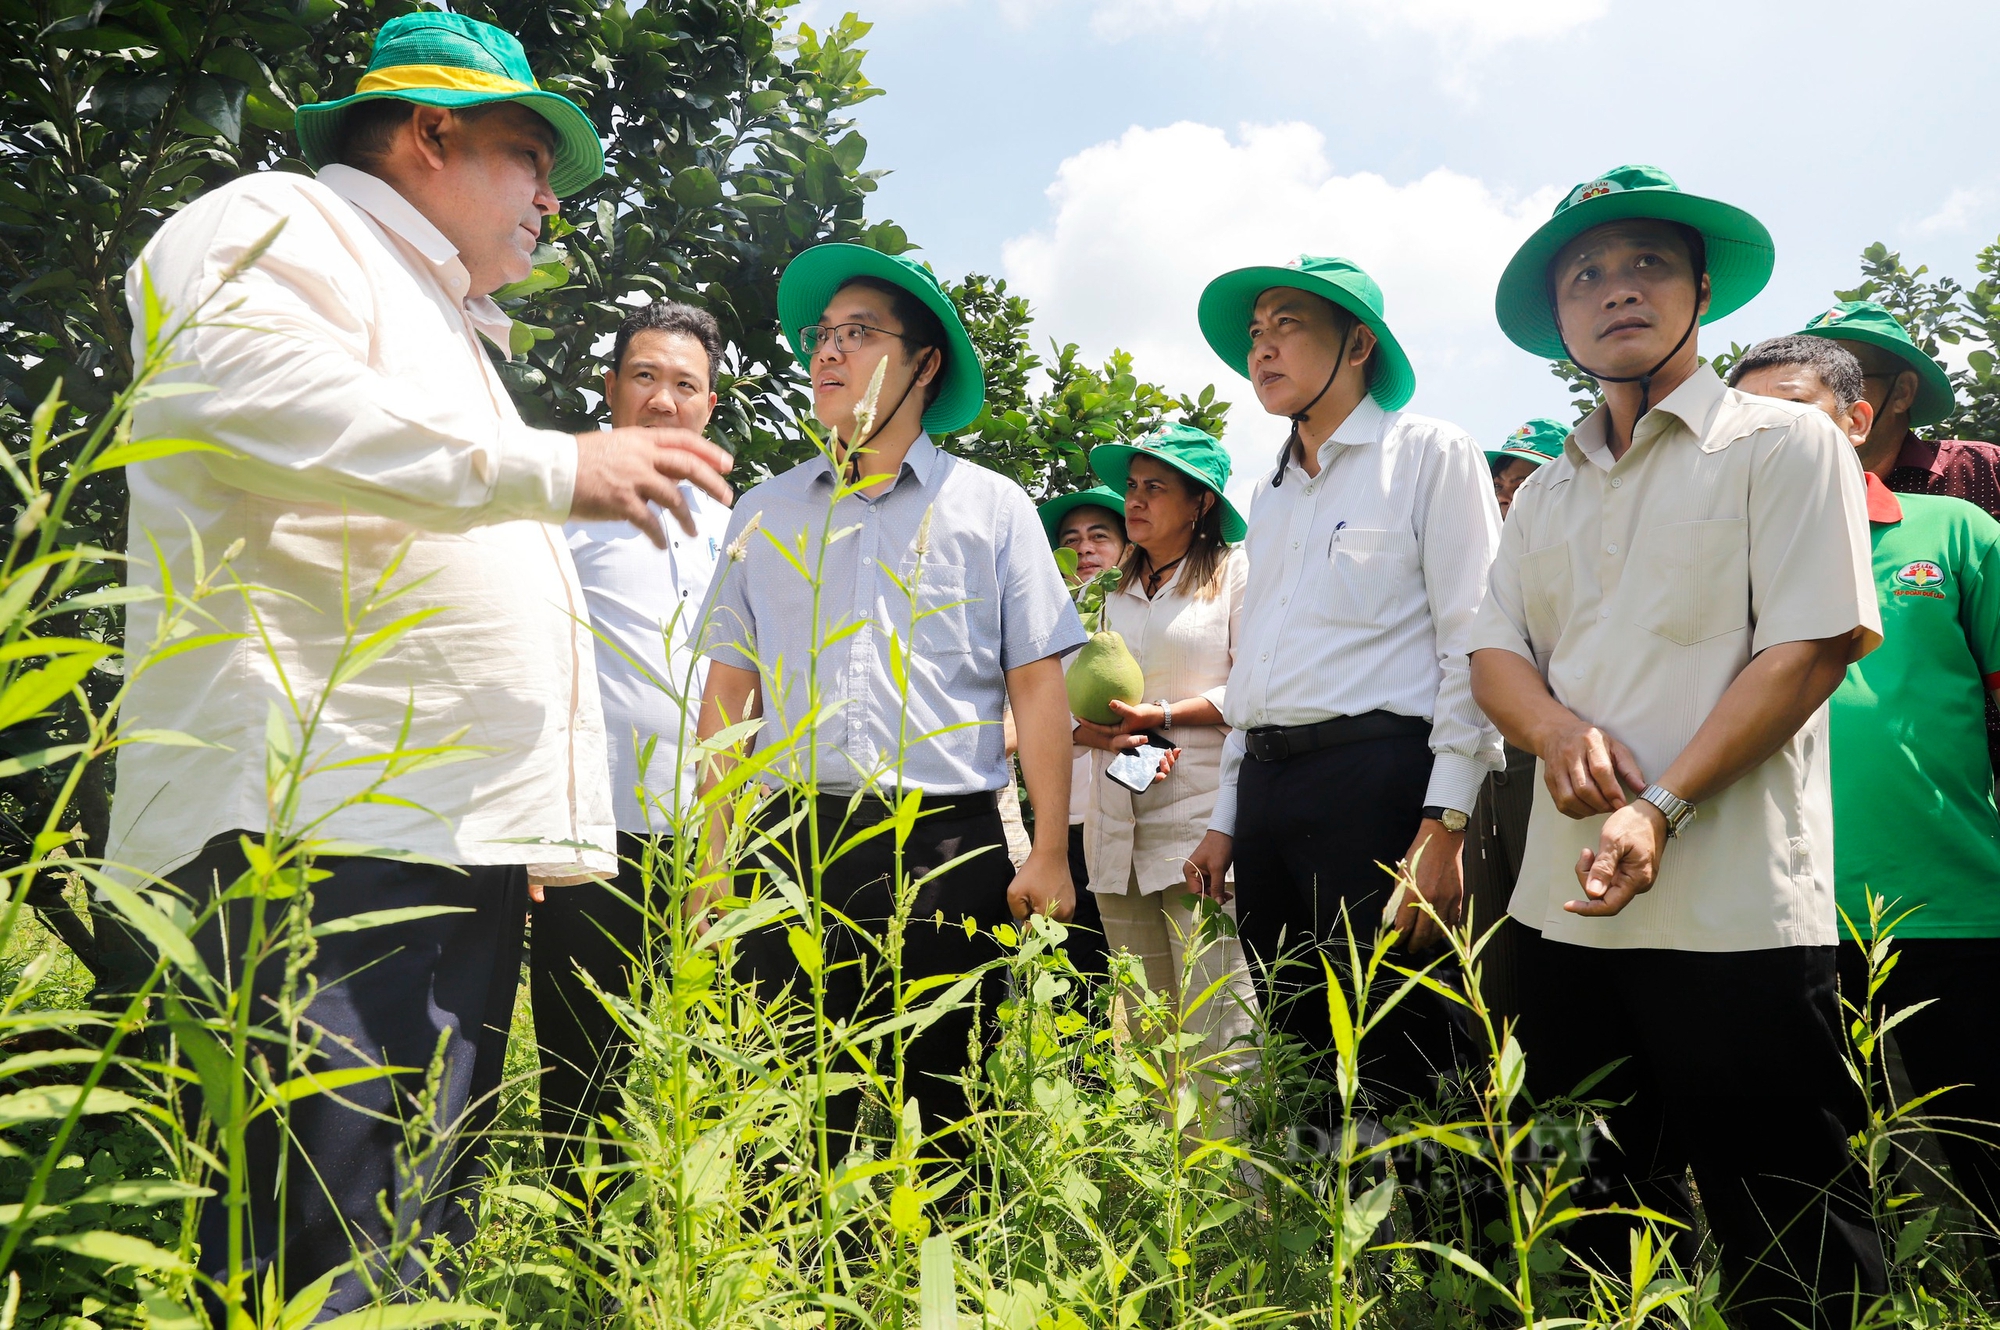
[{"x": 989, "y": 596}]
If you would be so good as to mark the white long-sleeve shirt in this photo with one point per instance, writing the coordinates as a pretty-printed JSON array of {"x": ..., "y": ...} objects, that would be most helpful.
[
  {"x": 649, "y": 604},
  {"x": 364, "y": 415},
  {"x": 1365, "y": 581}
]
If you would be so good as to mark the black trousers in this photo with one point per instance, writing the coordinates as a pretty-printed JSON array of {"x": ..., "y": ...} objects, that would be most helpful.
[
  {"x": 611, "y": 932},
  {"x": 1312, "y": 834},
  {"x": 1948, "y": 1043},
  {"x": 859, "y": 887},
  {"x": 387, "y": 996},
  {"x": 1085, "y": 947},
  {"x": 1733, "y": 1068},
  {"x": 1495, "y": 842}
]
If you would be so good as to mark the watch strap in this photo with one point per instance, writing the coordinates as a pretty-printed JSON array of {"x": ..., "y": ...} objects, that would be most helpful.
[
  {"x": 1677, "y": 811},
  {"x": 1452, "y": 818}
]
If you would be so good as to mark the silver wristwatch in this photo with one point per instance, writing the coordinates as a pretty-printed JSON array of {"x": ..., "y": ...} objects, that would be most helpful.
[
  {"x": 1677, "y": 811},
  {"x": 1166, "y": 713}
]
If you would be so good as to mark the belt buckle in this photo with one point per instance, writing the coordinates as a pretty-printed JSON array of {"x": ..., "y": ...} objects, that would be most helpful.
[{"x": 1274, "y": 745}]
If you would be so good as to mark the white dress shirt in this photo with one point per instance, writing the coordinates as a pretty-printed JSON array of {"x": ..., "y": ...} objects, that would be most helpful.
[
  {"x": 367, "y": 425},
  {"x": 648, "y": 604},
  {"x": 1364, "y": 584}
]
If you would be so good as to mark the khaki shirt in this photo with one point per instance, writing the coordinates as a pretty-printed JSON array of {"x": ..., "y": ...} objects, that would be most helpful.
[{"x": 1640, "y": 588}]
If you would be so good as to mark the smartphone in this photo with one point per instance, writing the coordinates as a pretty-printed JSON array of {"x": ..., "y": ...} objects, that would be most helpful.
[{"x": 1136, "y": 768}]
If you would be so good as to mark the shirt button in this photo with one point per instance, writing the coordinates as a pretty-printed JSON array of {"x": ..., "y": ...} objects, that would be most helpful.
[
  {"x": 1295, "y": 544},
  {"x": 1265, "y": 656},
  {"x": 1612, "y": 548},
  {"x": 1578, "y": 671},
  {"x": 1616, "y": 481}
]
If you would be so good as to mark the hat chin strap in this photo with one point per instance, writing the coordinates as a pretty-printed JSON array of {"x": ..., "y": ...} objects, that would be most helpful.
[
  {"x": 851, "y": 464},
  {"x": 1298, "y": 417},
  {"x": 1645, "y": 381}
]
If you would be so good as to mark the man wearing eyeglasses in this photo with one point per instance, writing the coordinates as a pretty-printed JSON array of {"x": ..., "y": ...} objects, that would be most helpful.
[{"x": 864, "y": 700}]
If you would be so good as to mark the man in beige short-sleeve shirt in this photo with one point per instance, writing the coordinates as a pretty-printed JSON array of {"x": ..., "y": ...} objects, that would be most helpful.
[{"x": 1675, "y": 598}]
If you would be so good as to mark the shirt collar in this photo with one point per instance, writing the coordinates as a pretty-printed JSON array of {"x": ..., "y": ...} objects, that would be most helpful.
[
  {"x": 1694, "y": 404},
  {"x": 379, "y": 199},
  {"x": 1883, "y": 506},
  {"x": 920, "y": 462},
  {"x": 1919, "y": 455},
  {"x": 1363, "y": 426}
]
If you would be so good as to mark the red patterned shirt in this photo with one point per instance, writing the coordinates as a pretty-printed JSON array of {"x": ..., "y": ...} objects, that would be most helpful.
[{"x": 1961, "y": 469}]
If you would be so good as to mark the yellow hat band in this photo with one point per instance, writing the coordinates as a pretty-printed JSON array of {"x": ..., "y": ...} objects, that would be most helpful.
[{"x": 431, "y": 78}]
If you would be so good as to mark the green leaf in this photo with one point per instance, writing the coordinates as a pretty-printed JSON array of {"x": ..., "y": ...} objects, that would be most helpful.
[
  {"x": 140, "y": 1191},
  {"x": 116, "y": 1248},
  {"x": 151, "y": 450},
  {"x": 36, "y": 691},
  {"x": 696, "y": 187},
  {"x": 35, "y": 761},
  {"x": 55, "y": 1101},
  {"x": 937, "y": 1284},
  {"x": 162, "y": 932},
  {"x": 366, "y": 919},
  {"x": 409, "y": 1315},
  {"x": 806, "y": 948},
  {"x": 849, "y": 150}
]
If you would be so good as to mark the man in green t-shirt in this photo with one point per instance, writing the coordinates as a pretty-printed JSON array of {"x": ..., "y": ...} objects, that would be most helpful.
[{"x": 1912, "y": 782}]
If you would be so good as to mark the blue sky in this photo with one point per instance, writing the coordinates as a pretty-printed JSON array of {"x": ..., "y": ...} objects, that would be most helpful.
[{"x": 1108, "y": 156}]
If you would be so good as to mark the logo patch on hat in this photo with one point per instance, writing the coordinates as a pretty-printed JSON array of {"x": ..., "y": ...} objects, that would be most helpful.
[
  {"x": 1594, "y": 189},
  {"x": 1834, "y": 315},
  {"x": 1920, "y": 573}
]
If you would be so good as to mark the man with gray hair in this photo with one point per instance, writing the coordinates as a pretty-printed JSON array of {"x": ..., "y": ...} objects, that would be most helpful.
[{"x": 1908, "y": 750}]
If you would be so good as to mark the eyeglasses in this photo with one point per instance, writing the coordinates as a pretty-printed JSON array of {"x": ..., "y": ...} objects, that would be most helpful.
[{"x": 846, "y": 337}]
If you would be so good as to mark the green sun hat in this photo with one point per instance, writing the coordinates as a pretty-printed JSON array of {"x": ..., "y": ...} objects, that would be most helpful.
[
  {"x": 1867, "y": 321},
  {"x": 810, "y": 281},
  {"x": 1538, "y": 442},
  {"x": 1740, "y": 253},
  {"x": 439, "y": 59},
  {"x": 1100, "y": 496},
  {"x": 1198, "y": 456},
  {"x": 1228, "y": 302}
]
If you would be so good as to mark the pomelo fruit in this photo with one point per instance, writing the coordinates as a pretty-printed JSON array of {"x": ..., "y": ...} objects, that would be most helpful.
[{"x": 1103, "y": 670}]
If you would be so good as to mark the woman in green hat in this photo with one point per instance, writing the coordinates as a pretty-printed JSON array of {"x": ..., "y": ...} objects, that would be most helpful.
[
  {"x": 1177, "y": 609},
  {"x": 866, "y": 697}
]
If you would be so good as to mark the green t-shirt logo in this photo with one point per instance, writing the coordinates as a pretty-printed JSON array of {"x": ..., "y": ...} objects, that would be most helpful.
[{"x": 1920, "y": 577}]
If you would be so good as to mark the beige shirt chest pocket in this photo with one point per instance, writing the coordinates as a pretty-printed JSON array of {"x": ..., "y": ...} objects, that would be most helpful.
[
  {"x": 1547, "y": 593},
  {"x": 1370, "y": 576},
  {"x": 1689, "y": 581}
]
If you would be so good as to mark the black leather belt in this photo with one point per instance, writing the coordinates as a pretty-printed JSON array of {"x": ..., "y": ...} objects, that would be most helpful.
[
  {"x": 874, "y": 807},
  {"x": 1275, "y": 743}
]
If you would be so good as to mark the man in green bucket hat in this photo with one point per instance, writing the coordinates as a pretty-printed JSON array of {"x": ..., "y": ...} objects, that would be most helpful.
[
  {"x": 360, "y": 436},
  {"x": 1355, "y": 741},
  {"x": 1528, "y": 448},
  {"x": 910, "y": 699},
  {"x": 1908, "y": 390},
  {"x": 1675, "y": 598}
]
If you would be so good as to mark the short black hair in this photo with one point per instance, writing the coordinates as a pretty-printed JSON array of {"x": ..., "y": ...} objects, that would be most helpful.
[
  {"x": 922, "y": 328},
  {"x": 1835, "y": 364},
  {"x": 1504, "y": 460},
  {"x": 670, "y": 316},
  {"x": 367, "y": 129}
]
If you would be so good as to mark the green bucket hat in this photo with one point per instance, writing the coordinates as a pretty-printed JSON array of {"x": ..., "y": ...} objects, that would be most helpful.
[
  {"x": 810, "y": 281},
  {"x": 1740, "y": 253},
  {"x": 1101, "y": 496},
  {"x": 1198, "y": 456},
  {"x": 439, "y": 59},
  {"x": 1867, "y": 321},
  {"x": 1538, "y": 442},
  {"x": 1229, "y": 300}
]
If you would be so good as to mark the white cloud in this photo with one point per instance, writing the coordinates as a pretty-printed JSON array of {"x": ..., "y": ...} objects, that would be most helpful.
[
  {"x": 1954, "y": 214},
  {"x": 1142, "y": 223},
  {"x": 1475, "y": 22}
]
